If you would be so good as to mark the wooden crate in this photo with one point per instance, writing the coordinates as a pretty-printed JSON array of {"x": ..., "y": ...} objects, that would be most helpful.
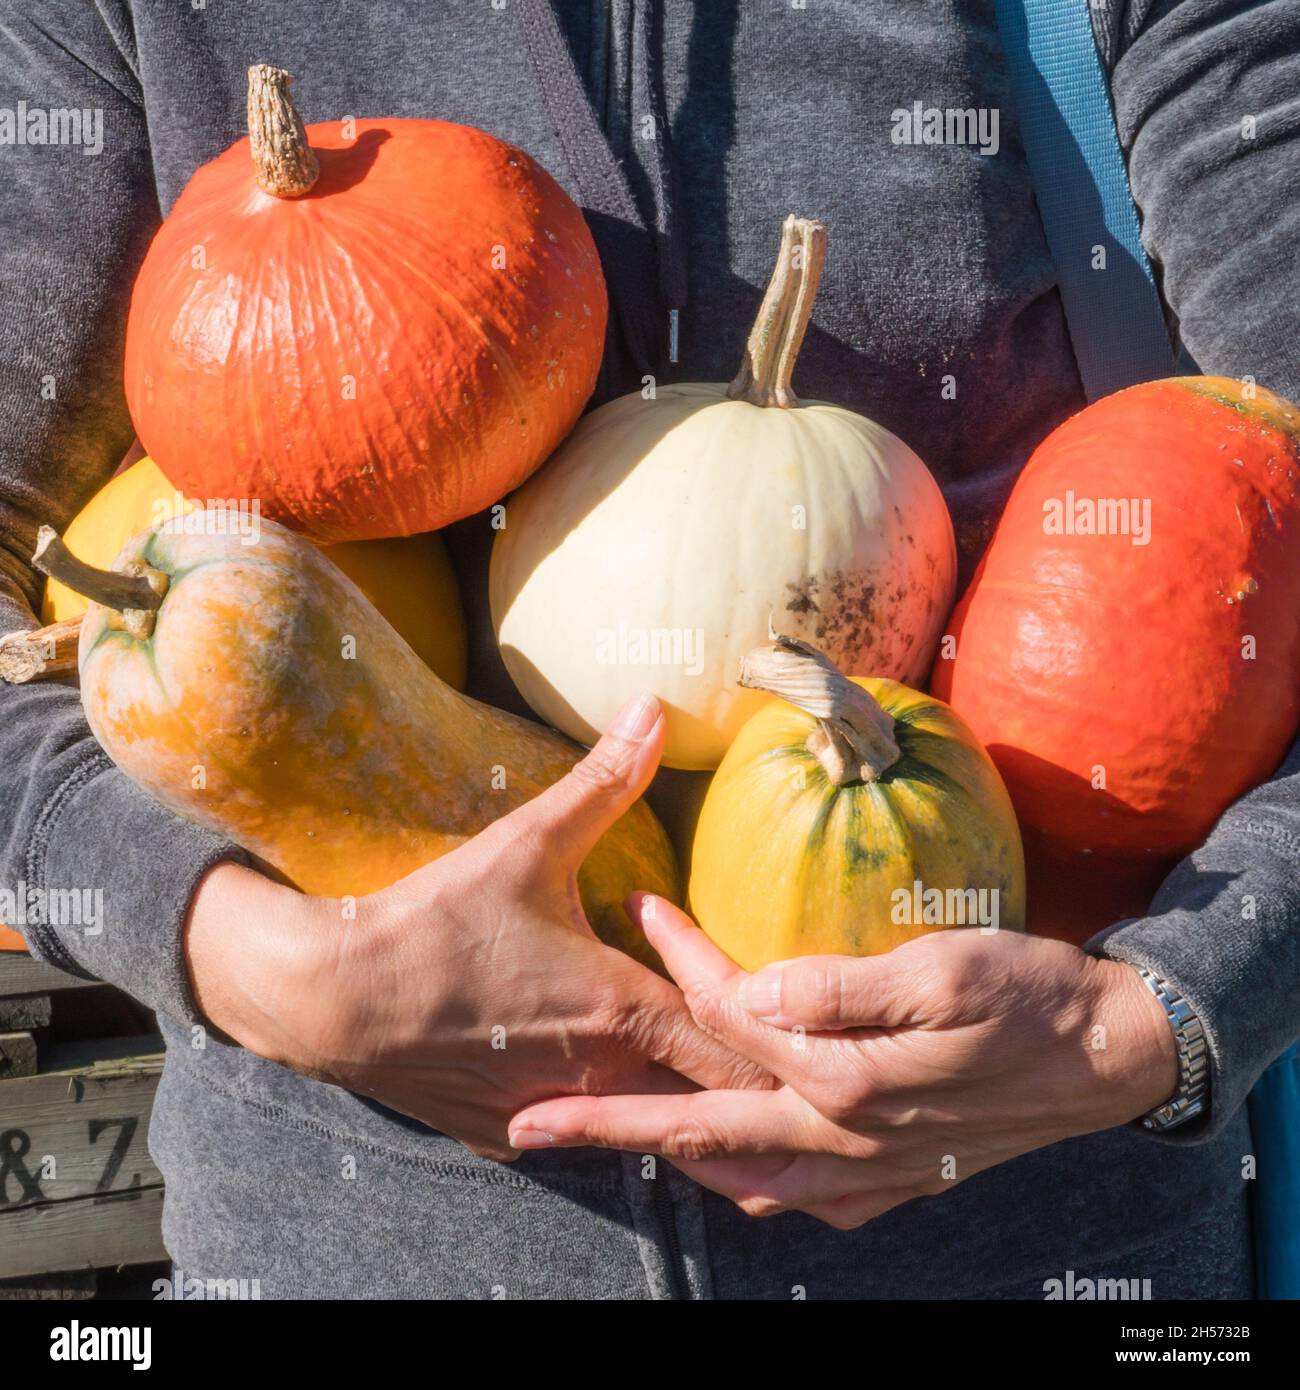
[
  {"x": 40, "y": 1005},
  {"x": 20, "y": 974},
  {"x": 27, "y": 990},
  {"x": 78, "y": 1189}
]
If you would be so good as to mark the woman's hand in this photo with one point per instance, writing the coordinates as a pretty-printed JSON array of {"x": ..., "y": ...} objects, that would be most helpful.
[
  {"x": 471, "y": 987},
  {"x": 903, "y": 1074}
]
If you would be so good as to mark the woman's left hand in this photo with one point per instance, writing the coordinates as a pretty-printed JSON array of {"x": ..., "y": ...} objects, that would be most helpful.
[{"x": 903, "y": 1074}]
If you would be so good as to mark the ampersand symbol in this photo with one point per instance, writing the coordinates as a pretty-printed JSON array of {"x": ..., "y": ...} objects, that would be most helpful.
[{"x": 14, "y": 1147}]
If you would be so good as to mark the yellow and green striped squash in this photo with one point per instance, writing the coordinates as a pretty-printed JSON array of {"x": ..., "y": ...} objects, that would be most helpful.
[{"x": 786, "y": 863}]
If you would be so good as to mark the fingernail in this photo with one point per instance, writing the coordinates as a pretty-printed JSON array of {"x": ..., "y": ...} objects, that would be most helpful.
[
  {"x": 760, "y": 994},
  {"x": 635, "y": 720},
  {"x": 646, "y": 908},
  {"x": 531, "y": 1139}
]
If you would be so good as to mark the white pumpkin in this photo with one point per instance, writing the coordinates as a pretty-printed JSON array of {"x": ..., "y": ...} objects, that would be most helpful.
[{"x": 656, "y": 544}]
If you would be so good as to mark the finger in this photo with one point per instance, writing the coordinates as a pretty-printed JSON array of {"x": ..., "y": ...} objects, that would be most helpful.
[
  {"x": 841, "y": 1191},
  {"x": 844, "y": 1192},
  {"x": 576, "y": 811},
  {"x": 830, "y": 993},
  {"x": 705, "y": 1125},
  {"x": 683, "y": 947},
  {"x": 567, "y": 819},
  {"x": 646, "y": 1017},
  {"x": 714, "y": 989},
  {"x": 498, "y": 1153},
  {"x": 857, "y": 1208}
]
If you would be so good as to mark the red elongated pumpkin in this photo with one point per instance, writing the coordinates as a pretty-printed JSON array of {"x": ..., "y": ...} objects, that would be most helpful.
[
  {"x": 374, "y": 326},
  {"x": 1129, "y": 649}
]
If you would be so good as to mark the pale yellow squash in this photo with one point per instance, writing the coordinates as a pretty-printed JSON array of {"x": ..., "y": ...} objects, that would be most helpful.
[{"x": 651, "y": 549}]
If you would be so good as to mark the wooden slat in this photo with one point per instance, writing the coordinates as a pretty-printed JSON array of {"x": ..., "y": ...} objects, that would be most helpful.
[
  {"x": 20, "y": 974},
  {"x": 17, "y": 1058},
  {"x": 25, "y": 1012},
  {"x": 80, "y": 1126},
  {"x": 95, "y": 1232},
  {"x": 61, "y": 1286}
]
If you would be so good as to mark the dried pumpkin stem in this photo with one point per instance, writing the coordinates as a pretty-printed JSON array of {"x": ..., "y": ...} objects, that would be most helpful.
[
  {"x": 854, "y": 738},
  {"x": 135, "y": 593},
  {"x": 286, "y": 164},
  {"x": 778, "y": 331},
  {"x": 39, "y": 653}
]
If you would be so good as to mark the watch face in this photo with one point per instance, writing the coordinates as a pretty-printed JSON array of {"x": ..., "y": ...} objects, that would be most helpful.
[{"x": 1176, "y": 1112}]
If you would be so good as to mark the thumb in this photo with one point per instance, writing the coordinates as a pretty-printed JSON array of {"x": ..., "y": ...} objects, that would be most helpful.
[{"x": 578, "y": 809}]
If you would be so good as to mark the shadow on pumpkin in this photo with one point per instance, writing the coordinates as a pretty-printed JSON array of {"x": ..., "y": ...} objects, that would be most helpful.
[
  {"x": 1074, "y": 893},
  {"x": 341, "y": 169}
]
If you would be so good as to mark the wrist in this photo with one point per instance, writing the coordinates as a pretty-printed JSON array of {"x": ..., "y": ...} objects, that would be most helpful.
[
  {"x": 258, "y": 956},
  {"x": 1137, "y": 1056}
]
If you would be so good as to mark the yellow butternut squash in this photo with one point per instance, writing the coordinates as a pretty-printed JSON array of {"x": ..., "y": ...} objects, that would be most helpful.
[{"x": 254, "y": 690}]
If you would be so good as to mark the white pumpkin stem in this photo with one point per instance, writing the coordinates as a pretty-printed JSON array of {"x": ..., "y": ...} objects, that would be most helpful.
[
  {"x": 286, "y": 164},
  {"x": 40, "y": 652},
  {"x": 854, "y": 738},
  {"x": 778, "y": 331},
  {"x": 135, "y": 594}
]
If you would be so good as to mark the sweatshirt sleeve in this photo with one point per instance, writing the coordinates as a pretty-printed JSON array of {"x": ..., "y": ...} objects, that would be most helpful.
[
  {"x": 1205, "y": 95},
  {"x": 1224, "y": 930},
  {"x": 1207, "y": 100},
  {"x": 75, "y": 219}
]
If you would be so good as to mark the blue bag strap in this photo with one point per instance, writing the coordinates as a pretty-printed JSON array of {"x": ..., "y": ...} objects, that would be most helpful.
[
  {"x": 1274, "y": 1105},
  {"x": 1115, "y": 317}
]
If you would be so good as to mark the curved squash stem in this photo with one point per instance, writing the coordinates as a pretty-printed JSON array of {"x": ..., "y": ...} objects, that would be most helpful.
[
  {"x": 286, "y": 164},
  {"x": 778, "y": 331},
  {"x": 854, "y": 738},
  {"x": 136, "y": 593}
]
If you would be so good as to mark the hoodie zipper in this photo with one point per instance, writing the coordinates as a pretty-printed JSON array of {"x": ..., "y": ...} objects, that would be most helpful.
[
  {"x": 642, "y": 250},
  {"x": 678, "y": 1283}
]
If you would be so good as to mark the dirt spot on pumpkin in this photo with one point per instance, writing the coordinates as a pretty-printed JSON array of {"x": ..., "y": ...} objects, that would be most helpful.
[{"x": 838, "y": 612}]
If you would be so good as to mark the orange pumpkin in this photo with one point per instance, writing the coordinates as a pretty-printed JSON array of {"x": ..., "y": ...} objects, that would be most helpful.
[
  {"x": 375, "y": 327},
  {"x": 1129, "y": 651}
]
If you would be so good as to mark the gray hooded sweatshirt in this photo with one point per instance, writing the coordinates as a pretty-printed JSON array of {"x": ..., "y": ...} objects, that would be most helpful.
[{"x": 938, "y": 269}]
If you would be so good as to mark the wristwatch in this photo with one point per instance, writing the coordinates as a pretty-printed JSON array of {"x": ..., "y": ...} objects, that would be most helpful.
[{"x": 1193, "y": 1059}]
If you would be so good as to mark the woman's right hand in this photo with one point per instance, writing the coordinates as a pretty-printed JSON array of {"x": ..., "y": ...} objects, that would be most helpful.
[{"x": 470, "y": 988}]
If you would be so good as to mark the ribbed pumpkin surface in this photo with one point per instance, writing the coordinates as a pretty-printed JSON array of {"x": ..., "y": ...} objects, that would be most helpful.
[{"x": 397, "y": 349}]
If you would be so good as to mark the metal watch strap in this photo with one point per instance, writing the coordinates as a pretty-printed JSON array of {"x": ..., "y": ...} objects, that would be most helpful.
[{"x": 1193, "y": 1058}]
